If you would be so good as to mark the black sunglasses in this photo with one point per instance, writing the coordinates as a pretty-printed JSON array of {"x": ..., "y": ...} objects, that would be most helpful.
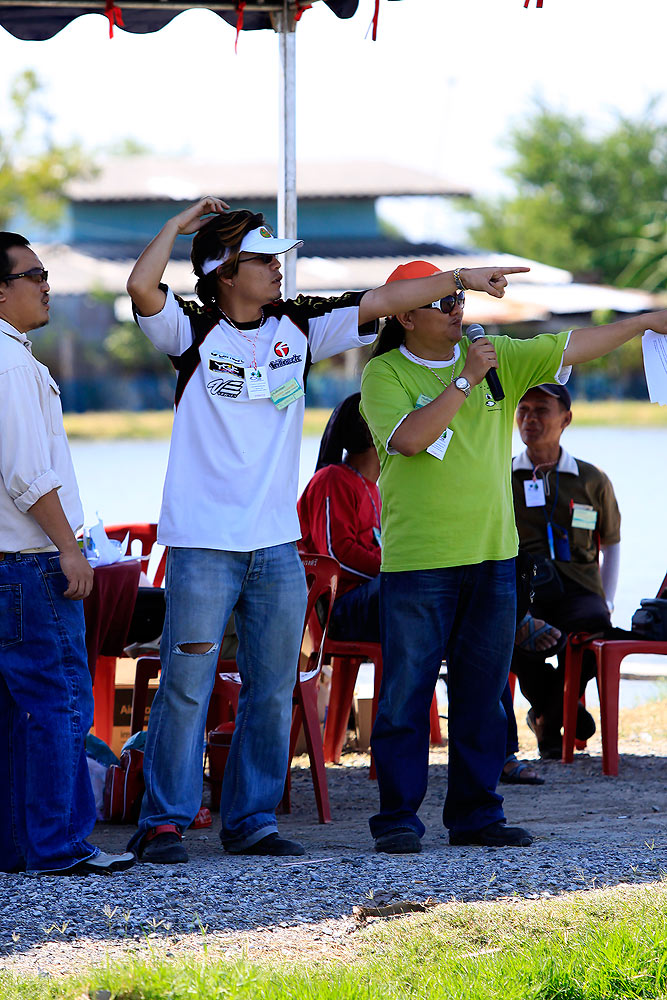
[
  {"x": 38, "y": 274},
  {"x": 447, "y": 302},
  {"x": 263, "y": 258}
]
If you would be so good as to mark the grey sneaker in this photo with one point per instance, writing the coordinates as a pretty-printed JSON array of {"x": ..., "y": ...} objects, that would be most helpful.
[{"x": 103, "y": 864}]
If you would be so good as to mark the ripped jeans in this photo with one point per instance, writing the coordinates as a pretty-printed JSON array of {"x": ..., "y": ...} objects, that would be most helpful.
[{"x": 266, "y": 590}]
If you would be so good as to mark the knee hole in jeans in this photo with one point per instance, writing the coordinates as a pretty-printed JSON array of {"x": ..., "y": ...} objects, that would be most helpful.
[{"x": 195, "y": 648}]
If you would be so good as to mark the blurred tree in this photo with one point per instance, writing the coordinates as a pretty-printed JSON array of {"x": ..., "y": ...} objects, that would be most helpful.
[
  {"x": 127, "y": 347},
  {"x": 590, "y": 204},
  {"x": 32, "y": 181}
]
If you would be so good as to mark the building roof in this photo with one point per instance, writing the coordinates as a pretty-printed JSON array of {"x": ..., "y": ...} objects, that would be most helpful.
[
  {"x": 536, "y": 296},
  {"x": 157, "y": 178}
]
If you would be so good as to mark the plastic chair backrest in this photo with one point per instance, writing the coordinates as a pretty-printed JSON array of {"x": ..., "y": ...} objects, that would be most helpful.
[
  {"x": 146, "y": 534},
  {"x": 322, "y": 580}
]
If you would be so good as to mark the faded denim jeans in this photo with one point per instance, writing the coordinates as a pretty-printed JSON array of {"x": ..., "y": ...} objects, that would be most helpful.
[
  {"x": 47, "y": 807},
  {"x": 266, "y": 590}
]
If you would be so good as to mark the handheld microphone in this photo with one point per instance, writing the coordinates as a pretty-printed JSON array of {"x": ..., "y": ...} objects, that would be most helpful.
[{"x": 475, "y": 331}]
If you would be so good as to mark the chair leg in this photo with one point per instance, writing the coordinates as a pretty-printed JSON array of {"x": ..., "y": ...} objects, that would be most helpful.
[
  {"x": 148, "y": 667},
  {"x": 434, "y": 719},
  {"x": 343, "y": 679},
  {"x": 104, "y": 693},
  {"x": 307, "y": 696},
  {"x": 609, "y": 678},
  {"x": 377, "y": 681},
  {"x": 573, "y": 657},
  {"x": 512, "y": 683},
  {"x": 285, "y": 805}
]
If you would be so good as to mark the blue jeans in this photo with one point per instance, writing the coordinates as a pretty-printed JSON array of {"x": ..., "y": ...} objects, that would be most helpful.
[
  {"x": 466, "y": 614},
  {"x": 356, "y": 615},
  {"x": 47, "y": 807},
  {"x": 266, "y": 590}
]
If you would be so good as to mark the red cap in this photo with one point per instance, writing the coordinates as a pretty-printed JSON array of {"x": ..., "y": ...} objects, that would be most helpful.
[{"x": 414, "y": 269}]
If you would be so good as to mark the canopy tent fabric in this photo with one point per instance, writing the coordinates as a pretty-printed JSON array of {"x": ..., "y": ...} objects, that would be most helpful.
[{"x": 37, "y": 21}]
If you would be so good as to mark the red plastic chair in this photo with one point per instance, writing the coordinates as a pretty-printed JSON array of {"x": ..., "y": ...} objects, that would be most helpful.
[
  {"x": 346, "y": 658},
  {"x": 321, "y": 580},
  {"x": 147, "y": 535},
  {"x": 608, "y": 656}
]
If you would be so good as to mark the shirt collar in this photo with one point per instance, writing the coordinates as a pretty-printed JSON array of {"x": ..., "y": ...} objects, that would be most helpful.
[
  {"x": 11, "y": 331},
  {"x": 566, "y": 463}
]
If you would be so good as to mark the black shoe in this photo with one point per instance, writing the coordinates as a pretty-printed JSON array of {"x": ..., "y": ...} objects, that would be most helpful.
[
  {"x": 549, "y": 741},
  {"x": 585, "y": 727},
  {"x": 401, "y": 841},
  {"x": 272, "y": 846},
  {"x": 494, "y": 835},
  {"x": 102, "y": 864},
  {"x": 165, "y": 847}
]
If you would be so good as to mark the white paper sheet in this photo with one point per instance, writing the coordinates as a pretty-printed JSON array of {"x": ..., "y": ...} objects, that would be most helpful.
[
  {"x": 654, "y": 349},
  {"x": 99, "y": 549}
]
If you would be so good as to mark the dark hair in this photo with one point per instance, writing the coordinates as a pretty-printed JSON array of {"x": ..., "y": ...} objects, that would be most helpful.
[
  {"x": 391, "y": 336},
  {"x": 220, "y": 233},
  {"x": 346, "y": 430},
  {"x": 7, "y": 242}
]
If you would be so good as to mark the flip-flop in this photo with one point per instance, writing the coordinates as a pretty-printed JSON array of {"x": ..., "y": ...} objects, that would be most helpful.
[
  {"x": 528, "y": 645},
  {"x": 517, "y": 777}
]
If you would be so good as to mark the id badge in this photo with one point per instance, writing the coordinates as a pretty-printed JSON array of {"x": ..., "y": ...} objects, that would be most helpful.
[
  {"x": 584, "y": 516},
  {"x": 287, "y": 393},
  {"x": 534, "y": 491},
  {"x": 257, "y": 383},
  {"x": 440, "y": 446}
]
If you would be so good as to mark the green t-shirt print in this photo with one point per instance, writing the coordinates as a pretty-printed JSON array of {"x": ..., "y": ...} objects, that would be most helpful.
[{"x": 458, "y": 511}]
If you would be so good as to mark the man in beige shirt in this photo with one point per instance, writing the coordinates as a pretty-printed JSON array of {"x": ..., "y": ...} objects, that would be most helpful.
[{"x": 47, "y": 809}]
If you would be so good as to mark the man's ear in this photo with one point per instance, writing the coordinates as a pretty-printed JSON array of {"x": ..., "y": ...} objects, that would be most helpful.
[
  {"x": 567, "y": 418},
  {"x": 406, "y": 321}
]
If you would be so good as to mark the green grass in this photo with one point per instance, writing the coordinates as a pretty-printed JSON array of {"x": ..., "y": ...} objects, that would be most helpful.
[
  {"x": 604, "y": 945},
  {"x": 156, "y": 424}
]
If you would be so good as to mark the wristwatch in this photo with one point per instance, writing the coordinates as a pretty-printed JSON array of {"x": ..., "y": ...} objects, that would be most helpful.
[{"x": 463, "y": 384}]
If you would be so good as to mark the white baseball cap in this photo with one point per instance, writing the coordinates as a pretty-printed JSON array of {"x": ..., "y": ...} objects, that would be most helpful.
[{"x": 256, "y": 241}]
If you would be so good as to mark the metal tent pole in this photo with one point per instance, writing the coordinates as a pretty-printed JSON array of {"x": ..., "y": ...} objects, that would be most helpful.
[{"x": 287, "y": 209}]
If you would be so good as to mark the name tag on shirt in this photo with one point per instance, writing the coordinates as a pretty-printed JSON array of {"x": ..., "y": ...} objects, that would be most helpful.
[
  {"x": 440, "y": 446},
  {"x": 584, "y": 516},
  {"x": 257, "y": 383},
  {"x": 287, "y": 393},
  {"x": 534, "y": 491}
]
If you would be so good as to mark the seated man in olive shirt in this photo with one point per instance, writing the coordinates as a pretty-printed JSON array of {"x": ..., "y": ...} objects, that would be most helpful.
[{"x": 567, "y": 518}]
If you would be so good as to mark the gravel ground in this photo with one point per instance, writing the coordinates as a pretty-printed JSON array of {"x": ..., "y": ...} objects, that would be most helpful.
[{"x": 590, "y": 832}]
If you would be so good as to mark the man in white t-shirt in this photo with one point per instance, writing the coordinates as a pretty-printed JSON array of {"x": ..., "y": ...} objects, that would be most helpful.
[{"x": 229, "y": 507}]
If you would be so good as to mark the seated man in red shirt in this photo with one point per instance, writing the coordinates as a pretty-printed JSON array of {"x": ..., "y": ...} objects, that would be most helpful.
[{"x": 339, "y": 513}]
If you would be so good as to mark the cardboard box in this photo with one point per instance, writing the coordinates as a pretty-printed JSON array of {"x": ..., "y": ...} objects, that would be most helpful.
[
  {"x": 363, "y": 710},
  {"x": 122, "y": 714}
]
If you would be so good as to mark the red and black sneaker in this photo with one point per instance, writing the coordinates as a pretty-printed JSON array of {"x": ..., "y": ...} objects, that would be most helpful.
[{"x": 163, "y": 845}]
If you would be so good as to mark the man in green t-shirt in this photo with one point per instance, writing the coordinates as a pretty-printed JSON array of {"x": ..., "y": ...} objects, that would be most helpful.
[{"x": 448, "y": 546}]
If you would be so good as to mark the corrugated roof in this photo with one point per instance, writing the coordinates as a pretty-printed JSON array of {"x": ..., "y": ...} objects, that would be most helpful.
[
  {"x": 531, "y": 297},
  {"x": 153, "y": 178}
]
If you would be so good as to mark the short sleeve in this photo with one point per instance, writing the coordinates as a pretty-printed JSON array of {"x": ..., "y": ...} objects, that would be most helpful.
[
  {"x": 384, "y": 400},
  {"x": 170, "y": 330},
  {"x": 332, "y": 323},
  {"x": 610, "y": 517}
]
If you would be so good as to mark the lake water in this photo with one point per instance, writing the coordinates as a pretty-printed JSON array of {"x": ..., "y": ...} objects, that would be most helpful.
[{"x": 123, "y": 481}]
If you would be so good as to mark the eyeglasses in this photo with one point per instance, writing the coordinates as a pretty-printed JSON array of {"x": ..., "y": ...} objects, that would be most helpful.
[
  {"x": 38, "y": 274},
  {"x": 447, "y": 303},
  {"x": 263, "y": 258}
]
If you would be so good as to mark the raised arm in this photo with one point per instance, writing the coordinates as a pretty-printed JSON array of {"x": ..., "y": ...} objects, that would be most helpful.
[
  {"x": 592, "y": 342},
  {"x": 143, "y": 285},
  {"x": 401, "y": 296}
]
